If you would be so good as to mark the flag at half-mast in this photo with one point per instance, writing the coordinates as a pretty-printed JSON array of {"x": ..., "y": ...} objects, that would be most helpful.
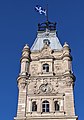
[{"x": 40, "y": 10}]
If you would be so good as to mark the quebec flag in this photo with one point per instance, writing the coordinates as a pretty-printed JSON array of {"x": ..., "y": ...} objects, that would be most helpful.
[{"x": 40, "y": 10}]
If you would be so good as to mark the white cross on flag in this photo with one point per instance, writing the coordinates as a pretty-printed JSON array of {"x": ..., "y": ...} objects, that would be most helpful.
[{"x": 40, "y": 10}]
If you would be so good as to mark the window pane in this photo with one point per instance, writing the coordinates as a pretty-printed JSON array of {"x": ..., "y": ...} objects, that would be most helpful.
[
  {"x": 47, "y": 110},
  {"x": 43, "y": 67},
  {"x": 56, "y": 106},
  {"x": 34, "y": 106},
  {"x": 43, "y": 110},
  {"x": 45, "y": 106},
  {"x": 46, "y": 67}
]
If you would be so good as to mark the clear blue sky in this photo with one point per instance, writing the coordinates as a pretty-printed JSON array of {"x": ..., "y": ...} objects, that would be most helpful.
[{"x": 18, "y": 26}]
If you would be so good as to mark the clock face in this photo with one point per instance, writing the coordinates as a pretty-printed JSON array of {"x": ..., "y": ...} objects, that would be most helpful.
[{"x": 45, "y": 88}]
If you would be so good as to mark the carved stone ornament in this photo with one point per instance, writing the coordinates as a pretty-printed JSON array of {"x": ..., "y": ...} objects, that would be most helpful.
[
  {"x": 46, "y": 52},
  {"x": 69, "y": 83},
  {"x": 34, "y": 69},
  {"x": 58, "y": 68},
  {"x": 23, "y": 85},
  {"x": 45, "y": 88}
]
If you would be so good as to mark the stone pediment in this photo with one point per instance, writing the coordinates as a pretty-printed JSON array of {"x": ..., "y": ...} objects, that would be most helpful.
[{"x": 46, "y": 52}]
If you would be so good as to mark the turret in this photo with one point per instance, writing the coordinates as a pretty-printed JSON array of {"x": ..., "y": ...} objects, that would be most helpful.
[
  {"x": 25, "y": 60},
  {"x": 67, "y": 58},
  {"x": 22, "y": 82}
]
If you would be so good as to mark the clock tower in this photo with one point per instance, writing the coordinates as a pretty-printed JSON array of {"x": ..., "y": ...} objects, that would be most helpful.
[{"x": 46, "y": 80}]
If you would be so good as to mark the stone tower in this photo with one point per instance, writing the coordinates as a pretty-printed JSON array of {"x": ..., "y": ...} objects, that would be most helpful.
[{"x": 46, "y": 80}]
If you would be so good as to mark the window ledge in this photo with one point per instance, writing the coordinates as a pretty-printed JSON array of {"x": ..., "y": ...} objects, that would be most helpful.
[{"x": 46, "y": 73}]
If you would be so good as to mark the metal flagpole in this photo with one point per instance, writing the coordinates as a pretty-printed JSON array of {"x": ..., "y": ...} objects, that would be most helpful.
[{"x": 47, "y": 10}]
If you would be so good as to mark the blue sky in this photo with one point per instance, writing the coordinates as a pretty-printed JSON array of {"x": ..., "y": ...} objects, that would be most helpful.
[{"x": 18, "y": 26}]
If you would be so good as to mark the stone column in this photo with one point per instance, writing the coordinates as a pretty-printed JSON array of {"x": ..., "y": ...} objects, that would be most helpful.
[
  {"x": 21, "y": 98},
  {"x": 52, "y": 106},
  {"x": 29, "y": 105},
  {"x": 61, "y": 105},
  {"x": 39, "y": 106}
]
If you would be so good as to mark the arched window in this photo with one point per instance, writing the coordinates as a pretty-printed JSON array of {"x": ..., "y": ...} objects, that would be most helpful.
[
  {"x": 34, "y": 106},
  {"x": 46, "y": 67},
  {"x": 45, "y": 106},
  {"x": 56, "y": 106}
]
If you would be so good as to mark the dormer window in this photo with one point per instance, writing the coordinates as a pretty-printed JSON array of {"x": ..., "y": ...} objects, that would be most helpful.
[
  {"x": 46, "y": 41},
  {"x": 46, "y": 67}
]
